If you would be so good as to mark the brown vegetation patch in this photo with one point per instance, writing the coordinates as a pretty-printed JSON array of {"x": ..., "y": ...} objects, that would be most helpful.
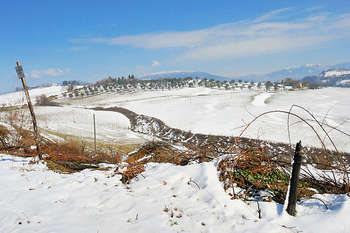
[
  {"x": 132, "y": 170},
  {"x": 43, "y": 100},
  {"x": 4, "y": 136},
  {"x": 254, "y": 170},
  {"x": 161, "y": 152}
]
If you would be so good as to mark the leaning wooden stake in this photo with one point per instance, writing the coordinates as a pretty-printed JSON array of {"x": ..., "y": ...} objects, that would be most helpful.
[
  {"x": 95, "y": 133},
  {"x": 20, "y": 74},
  {"x": 293, "y": 190}
]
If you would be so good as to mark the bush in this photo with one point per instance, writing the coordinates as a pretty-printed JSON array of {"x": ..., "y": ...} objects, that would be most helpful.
[
  {"x": 43, "y": 100},
  {"x": 4, "y": 136},
  {"x": 19, "y": 120}
]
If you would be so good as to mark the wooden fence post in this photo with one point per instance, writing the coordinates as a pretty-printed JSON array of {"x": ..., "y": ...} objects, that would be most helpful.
[
  {"x": 293, "y": 190},
  {"x": 20, "y": 74}
]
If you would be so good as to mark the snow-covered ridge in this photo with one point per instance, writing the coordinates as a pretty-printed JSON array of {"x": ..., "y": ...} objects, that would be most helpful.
[
  {"x": 18, "y": 98},
  {"x": 332, "y": 73},
  {"x": 345, "y": 81}
]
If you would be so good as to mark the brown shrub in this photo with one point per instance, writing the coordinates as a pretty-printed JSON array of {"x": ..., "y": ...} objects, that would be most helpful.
[
  {"x": 254, "y": 170},
  {"x": 43, "y": 100},
  {"x": 4, "y": 136},
  {"x": 132, "y": 171},
  {"x": 160, "y": 152}
]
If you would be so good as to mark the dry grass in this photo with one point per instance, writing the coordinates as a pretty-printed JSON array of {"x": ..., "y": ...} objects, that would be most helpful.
[
  {"x": 161, "y": 152},
  {"x": 254, "y": 170},
  {"x": 4, "y": 136},
  {"x": 19, "y": 120},
  {"x": 157, "y": 152},
  {"x": 43, "y": 100},
  {"x": 132, "y": 170}
]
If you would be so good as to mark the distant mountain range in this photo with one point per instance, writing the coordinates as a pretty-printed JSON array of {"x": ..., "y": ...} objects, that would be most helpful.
[
  {"x": 294, "y": 73},
  {"x": 331, "y": 77},
  {"x": 184, "y": 74}
]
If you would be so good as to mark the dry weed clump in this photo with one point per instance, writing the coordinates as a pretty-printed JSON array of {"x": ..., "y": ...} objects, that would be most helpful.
[
  {"x": 70, "y": 150},
  {"x": 4, "y": 136},
  {"x": 43, "y": 100},
  {"x": 70, "y": 156},
  {"x": 75, "y": 155},
  {"x": 156, "y": 152},
  {"x": 17, "y": 133},
  {"x": 254, "y": 170},
  {"x": 132, "y": 170},
  {"x": 159, "y": 152}
]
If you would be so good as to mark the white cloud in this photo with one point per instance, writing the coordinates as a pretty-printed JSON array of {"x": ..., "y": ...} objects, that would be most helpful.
[
  {"x": 316, "y": 8},
  {"x": 162, "y": 40},
  {"x": 155, "y": 63},
  {"x": 44, "y": 73},
  {"x": 265, "y": 34},
  {"x": 252, "y": 47},
  {"x": 271, "y": 14}
]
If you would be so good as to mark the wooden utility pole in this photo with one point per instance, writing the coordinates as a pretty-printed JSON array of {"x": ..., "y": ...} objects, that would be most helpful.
[
  {"x": 95, "y": 133},
  {"x": 293, "y": 190},
  {"x": 20, "y": 74}
]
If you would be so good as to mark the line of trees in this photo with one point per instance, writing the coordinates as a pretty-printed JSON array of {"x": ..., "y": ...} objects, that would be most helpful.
[{"x": 131, "y": 83}]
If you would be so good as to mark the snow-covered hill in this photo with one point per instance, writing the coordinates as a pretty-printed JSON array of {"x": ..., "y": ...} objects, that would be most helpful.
[
  {"x": 332, "y": 78},
  {"x": 222, "y": 112},
  {"x": 18, "y": 98},
  {"x": 335, "y": 73}
]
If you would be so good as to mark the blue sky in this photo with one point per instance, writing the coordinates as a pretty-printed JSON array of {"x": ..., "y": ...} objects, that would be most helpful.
[{"x": 89, "y": 40}]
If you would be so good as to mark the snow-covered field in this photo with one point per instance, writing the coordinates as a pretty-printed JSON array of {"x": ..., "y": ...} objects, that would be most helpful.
[
  {"x": 34, "y": 199},
  {"x": 201, "y": 110},
  {"x": 18, "y": 98},
  {"x": 110, "y": 126},
  {"x": 221, "y": 112}
]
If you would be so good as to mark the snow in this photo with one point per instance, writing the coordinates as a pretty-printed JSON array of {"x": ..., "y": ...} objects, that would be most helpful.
[
  {"x": 332, "y": 73},
  {"x": 18, "y": 98},
  {"x": 204, "y": 110},
  {"x": 208, "y": 111},
  {"x": 260, "y": 99},
  {"x": 345, "y": 81},
  {"x": 166, "y": 198},
  {"x": 110, "y": 126},
  {"x": 224, "y": 112}
]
